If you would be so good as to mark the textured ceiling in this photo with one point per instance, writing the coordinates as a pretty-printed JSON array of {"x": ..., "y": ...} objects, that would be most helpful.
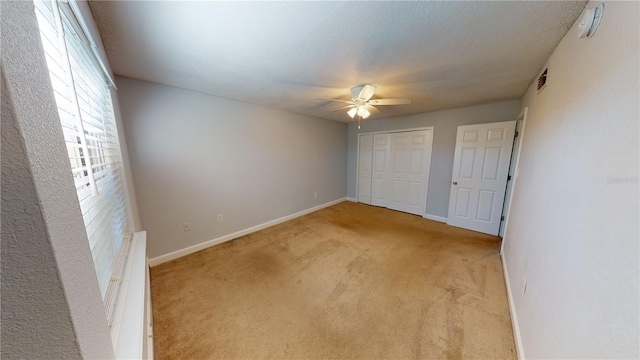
[{"x": 288, "y": 54}]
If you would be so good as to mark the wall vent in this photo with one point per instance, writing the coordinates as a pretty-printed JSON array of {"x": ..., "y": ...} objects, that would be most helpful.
[{"x": 542, "y": 80}]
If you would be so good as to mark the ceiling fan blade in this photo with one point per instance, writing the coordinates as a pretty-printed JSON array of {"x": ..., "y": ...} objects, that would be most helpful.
[
  {"x": 344, "y": 107},
  {"x": 341, "y": 101},
  {"x": 372, "y": 109},
  {"x": 367, "y": 92},
  {"x": 389, "y": 102},
  {"x": 355, "y": 92}
]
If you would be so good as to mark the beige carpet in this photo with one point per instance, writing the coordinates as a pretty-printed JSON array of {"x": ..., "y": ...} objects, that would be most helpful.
[{"x": 347, "y": 282}]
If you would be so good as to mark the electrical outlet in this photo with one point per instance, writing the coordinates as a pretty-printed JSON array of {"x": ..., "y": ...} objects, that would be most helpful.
[
  {"x": 219, "y": 217},
  {"x": 186, "y": 227},
  {"x": 524, "y": 286},
  {"x": 315, "y": 194}
]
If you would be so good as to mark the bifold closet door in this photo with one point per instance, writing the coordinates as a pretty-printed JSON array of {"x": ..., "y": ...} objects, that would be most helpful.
[
  {"x": 409, "y": 163},
  {"x": 365, "y": 158},
  {"x": 380, "y": 169}
]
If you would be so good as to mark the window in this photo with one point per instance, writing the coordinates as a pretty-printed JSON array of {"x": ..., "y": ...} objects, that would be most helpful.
[{"x": 87, "y": 118}]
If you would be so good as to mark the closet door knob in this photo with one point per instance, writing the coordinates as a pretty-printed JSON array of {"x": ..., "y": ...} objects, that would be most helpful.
[{"x": 455, "y": 183}]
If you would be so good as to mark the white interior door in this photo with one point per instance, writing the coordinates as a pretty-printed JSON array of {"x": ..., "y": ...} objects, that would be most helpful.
[
  {"x": 365, "y": 153},
  {"x": 479, "y": 178},
  {"x": 380, "y": 169},
  {"x": 418, "y": 166},
  {"x": 410, "y": 158}
]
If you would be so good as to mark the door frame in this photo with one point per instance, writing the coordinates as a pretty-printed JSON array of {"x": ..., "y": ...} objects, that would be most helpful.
[
  {"x": 522, "y": 116},
  {"x": 432, "y": 128}
]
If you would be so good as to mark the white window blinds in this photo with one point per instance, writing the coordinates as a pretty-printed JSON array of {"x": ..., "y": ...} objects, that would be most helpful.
[{"x": 88, "y": 123}]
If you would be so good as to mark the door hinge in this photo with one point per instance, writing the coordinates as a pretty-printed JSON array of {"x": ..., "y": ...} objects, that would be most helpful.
[
  {"x": 508, "y": 177},
  {"x": 516, "y": 134},
  {"x": 501, "y": 218}
]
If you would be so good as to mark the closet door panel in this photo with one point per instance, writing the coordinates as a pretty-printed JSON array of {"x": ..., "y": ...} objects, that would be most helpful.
[
  {"x": 365, "y": 164},
  {"x": 418, "y": 171},
  {"x": 398, "y": 175},
  {"x": 380, "y": 169}
]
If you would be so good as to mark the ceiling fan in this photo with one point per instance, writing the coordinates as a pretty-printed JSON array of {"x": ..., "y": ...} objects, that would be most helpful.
[{"x": 361, "y": 103}]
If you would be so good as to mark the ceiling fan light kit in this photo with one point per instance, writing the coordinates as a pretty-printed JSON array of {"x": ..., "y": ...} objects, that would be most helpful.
[
  {"x": 361, "y": 103},
  {"x": 363, "y": 113}
]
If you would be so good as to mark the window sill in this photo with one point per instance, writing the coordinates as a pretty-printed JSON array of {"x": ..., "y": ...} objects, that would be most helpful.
[{"x": 129, "y": 330}]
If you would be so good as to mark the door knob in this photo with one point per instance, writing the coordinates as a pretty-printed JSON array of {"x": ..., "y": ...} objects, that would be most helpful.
[{"x": 455, "y": 183}]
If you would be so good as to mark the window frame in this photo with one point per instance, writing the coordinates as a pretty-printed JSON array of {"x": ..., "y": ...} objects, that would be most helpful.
[{"x": 101, "y": 151}]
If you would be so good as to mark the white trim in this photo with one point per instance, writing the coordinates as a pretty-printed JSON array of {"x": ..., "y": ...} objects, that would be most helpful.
[
  {"x": 512, "y": 310},
  {"x": 352, "y": 199},
  {"x": 512, "y": 307},
  {"x": 76, "y": 11},
  {"x": 129, "y": 326},
  {"x": 147, "y": 352},
  {"x": 523, "y": 116},
  {"x": 435, "y": 218},
  {"x": 397, "y": 130},
  {"x": 207, "y": 244}
]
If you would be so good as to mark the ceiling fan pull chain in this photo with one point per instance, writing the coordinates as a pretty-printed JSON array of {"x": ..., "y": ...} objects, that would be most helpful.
[{"x": 359, "y": 118}]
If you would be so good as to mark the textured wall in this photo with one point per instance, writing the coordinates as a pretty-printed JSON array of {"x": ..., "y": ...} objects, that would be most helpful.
[
  {"x": 36, "y": 322},
  {"x": 573, "y": 228},
  {"x": 194, "y": 156},
  {"x": 43, "y": 235},
  {"x": 445, "y": 124}
]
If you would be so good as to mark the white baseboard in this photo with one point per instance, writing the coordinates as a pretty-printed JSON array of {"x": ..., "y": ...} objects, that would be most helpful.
[
  {"x": 512, "y": 310},
  {"x": 435, "y": 218},
  {"x": 195, "y": 248},
  {"x": 352, "y": 199}
]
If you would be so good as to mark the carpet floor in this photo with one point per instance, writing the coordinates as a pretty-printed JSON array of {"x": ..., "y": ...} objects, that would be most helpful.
[{"x": 350, "y": 281}]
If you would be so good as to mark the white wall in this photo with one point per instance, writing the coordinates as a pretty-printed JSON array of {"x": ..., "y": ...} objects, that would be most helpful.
[
  {"x": 445, "y": 125},
  {"x": 573, "y": 231},
  {"x": 51, "y": 304},
  {"x": 194, "y": 156},
  {"x": 128, "y": 189}
]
